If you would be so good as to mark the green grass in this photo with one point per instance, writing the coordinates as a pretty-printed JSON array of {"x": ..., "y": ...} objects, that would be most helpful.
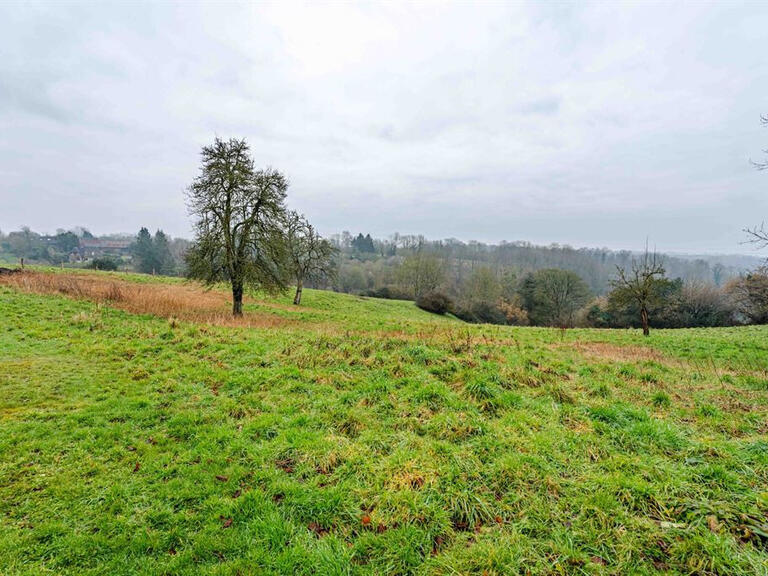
[{"x": 368, "y": 437}]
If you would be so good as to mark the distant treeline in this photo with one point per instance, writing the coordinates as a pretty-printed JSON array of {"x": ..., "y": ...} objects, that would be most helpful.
[
  {"x": 368, "y": 263},
  {"x": 158, "y": 254},
  {"x": 509, "y": 283},
  {"x": 519, "y": 283}
]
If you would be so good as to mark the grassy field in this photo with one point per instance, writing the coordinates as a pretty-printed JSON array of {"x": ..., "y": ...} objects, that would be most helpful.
[{"x": 142, "y": 431}]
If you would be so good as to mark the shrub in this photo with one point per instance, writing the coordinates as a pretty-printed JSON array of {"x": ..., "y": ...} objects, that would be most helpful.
[
  {"x": 481, "y": 313},
  {"x": 103, "y": 264},
  {"x": 435, "y": 302},
  {"x": 514, "y": 313},
  {"x": 389, "y": 293},
  {"x": 597, "y": 315}
]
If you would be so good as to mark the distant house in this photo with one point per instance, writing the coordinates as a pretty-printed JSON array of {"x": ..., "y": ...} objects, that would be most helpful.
[{"x": 99, "y": 247}]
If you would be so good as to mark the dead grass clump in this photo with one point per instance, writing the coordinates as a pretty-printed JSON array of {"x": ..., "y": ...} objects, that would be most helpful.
[
  {"x": 410, "y": 476},
  {"x": 174, "y": 301}
]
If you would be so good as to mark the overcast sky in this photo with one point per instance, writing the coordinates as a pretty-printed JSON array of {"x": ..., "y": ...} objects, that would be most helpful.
[{"x": 588, "y": 124}]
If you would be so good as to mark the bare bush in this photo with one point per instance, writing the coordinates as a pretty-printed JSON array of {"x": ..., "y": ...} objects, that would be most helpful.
[
  {"x": 514, "y": 313},
  {"x": 749, "y": 296}
]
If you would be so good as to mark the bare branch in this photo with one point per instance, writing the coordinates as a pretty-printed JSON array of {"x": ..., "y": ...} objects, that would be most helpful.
[{"x": 758, "y": 236}]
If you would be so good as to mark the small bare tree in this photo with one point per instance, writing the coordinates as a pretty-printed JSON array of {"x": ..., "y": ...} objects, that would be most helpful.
[
  {"x": 638, "y": 285},
  {"x": 310, "y": 255},
  {"x": 421, "y": 272}
]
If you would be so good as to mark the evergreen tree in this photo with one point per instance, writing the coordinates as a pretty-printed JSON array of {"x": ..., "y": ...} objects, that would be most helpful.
[
  {"x": 144, "y": 253},
  {"x": 161, "y": 253},
  {"x": 527, "y": 291},
  {"x": 363, "y": 244}
]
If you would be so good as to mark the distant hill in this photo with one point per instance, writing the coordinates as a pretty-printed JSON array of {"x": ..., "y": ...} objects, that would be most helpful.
[{"x": 742, "y": 262}]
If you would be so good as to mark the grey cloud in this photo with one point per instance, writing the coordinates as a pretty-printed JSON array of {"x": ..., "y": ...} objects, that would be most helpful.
[
  {"x": 29, "y": 96},
  {"x": 591, "y": 123},
  {"x": 545, "y": 106}
]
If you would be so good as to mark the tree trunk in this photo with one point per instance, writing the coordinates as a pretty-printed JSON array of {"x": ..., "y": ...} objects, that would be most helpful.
[
  {"x": 297, "y": 298},
  {"x": 237, "y": 298},
  {"x": 644, "y": 319}
]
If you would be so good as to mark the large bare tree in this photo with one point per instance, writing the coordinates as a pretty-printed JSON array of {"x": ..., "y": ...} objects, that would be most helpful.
[
  {"x": 310, "y": 256},
  {"x": 638, "y": 284},
  {"x": 238, "y": 213},
  {"x": 421, "y": 272}
]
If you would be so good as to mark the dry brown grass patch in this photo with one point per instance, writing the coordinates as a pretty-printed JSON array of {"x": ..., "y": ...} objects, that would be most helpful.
[
  {"x": 614, "y": 352},
  {"x": 190, "y": 302}
]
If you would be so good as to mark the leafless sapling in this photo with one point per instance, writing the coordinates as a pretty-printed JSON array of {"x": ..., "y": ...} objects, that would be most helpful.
[{"x": 638, "y": 285}]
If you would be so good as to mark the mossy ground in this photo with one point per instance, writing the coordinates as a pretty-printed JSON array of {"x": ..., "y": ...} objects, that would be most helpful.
[{"x": 368, "y": 437}]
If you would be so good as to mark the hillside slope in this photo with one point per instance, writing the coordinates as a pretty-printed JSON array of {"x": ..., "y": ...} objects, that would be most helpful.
[{"x": 357, "y": 436}]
